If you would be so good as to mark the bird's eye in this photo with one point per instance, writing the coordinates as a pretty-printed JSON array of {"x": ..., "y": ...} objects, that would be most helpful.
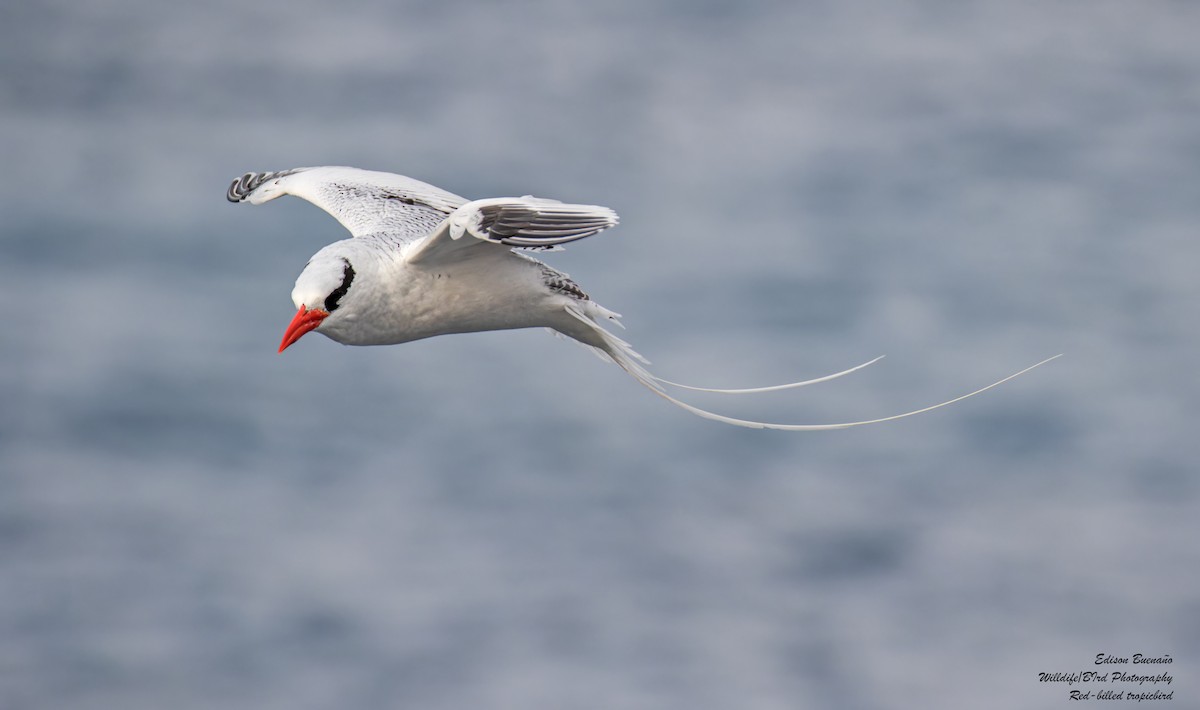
[{"x": 331, "y": 301}]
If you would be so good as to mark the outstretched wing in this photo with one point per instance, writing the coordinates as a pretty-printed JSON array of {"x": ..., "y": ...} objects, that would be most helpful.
[
  {"x": 523, "y": 222},
  {"x": 364, "y": 201}
]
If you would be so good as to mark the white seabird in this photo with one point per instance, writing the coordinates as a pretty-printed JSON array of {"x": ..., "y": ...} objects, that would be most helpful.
[{"x": 422, "y": 261}]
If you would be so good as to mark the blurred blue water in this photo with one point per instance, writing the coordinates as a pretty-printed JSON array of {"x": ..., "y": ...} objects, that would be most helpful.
[{"x": 189, "y": 520}]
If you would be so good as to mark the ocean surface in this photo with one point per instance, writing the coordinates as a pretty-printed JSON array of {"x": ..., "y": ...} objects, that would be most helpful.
[{"x": 189, "y": 520}]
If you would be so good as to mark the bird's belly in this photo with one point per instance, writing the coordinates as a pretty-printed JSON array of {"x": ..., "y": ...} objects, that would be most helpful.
[{"x": 445, "y": 304}]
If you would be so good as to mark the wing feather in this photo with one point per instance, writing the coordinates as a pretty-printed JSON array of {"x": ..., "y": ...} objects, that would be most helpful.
[
  {"x": 524, "y": 222},
  {"x": 363, "y": 201}
]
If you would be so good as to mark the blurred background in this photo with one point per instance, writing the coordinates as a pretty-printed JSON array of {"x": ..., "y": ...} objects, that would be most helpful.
[{"x": 189, "y": 520}]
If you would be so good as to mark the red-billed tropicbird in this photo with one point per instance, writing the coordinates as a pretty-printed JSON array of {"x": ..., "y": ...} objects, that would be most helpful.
[{"x": 423, "y": 262}]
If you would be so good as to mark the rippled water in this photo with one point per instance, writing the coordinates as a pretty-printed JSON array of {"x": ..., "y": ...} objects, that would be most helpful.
[{"x": 189, "y": 520}]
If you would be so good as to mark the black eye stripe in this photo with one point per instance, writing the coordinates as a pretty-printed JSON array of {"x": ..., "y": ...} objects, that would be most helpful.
[{"x": 331, "y": 301}]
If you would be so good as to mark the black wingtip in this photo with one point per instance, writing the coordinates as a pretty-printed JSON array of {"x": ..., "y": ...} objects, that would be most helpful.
[{"x": 241, "y": 187}]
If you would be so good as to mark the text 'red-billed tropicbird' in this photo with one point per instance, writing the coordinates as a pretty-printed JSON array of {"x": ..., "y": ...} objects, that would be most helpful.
[{"x": 423, "y": 262}]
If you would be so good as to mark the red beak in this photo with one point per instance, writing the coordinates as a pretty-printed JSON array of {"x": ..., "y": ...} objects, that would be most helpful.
[{"x": 306, "y": 319}]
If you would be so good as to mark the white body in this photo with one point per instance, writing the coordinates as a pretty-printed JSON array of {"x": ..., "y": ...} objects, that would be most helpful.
[{"x": 398, "y": 302}]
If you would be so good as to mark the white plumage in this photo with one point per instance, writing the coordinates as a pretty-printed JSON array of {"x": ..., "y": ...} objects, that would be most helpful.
[{"x": 423, "y": 262}]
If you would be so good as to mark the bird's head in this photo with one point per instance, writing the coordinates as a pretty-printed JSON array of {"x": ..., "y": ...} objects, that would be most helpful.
[{"x": 321, "y": 290}]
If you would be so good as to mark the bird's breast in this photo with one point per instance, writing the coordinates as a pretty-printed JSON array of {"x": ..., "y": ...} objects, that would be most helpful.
[{"x": 421, "y": 303}]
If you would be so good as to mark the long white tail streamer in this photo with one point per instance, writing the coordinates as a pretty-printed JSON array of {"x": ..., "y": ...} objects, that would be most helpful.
[
  {"x": 772, "y": 388},
  {"x": 629, "y": 360},
  {"x": 845, "y": 425}
]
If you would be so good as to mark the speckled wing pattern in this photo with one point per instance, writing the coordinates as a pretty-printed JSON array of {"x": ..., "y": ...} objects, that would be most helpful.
[{"x": 363, "y": 201}]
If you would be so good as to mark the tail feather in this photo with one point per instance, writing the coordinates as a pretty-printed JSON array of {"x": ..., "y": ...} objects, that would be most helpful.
[
  {"x": 622, "y": 353},
  {"x": 772, "y": 388},
  {"x": 608, "y": 346}
]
